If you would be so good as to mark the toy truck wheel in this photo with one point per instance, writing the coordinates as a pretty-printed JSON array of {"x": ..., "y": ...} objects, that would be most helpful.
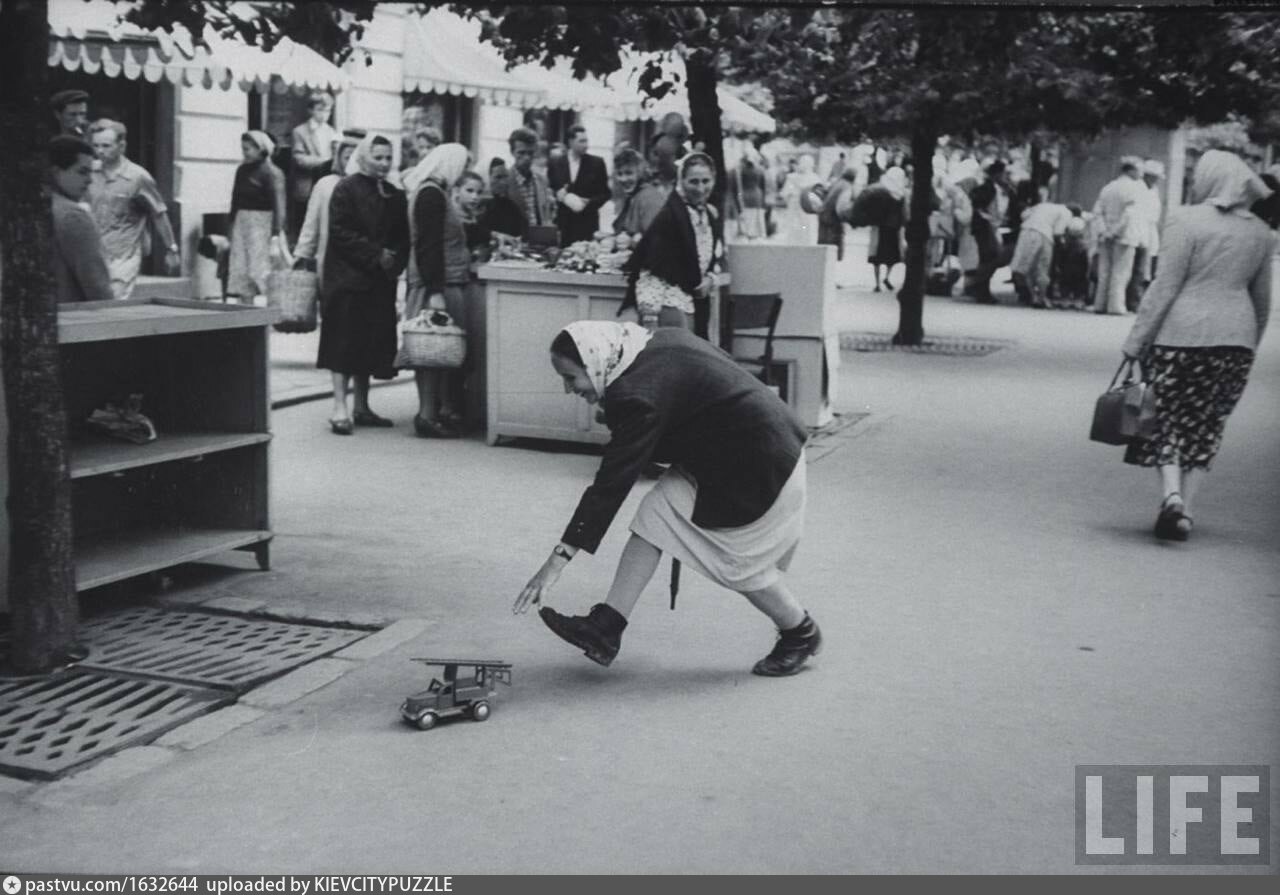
[
  {"x": 480, "y": 710},
  {"x": 426, "y": 720}
]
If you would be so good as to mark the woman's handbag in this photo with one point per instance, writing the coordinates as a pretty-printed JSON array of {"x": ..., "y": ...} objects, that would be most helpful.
[
  {"x": 1126, "y": 412},
  {"x": 431, "y": 340}
]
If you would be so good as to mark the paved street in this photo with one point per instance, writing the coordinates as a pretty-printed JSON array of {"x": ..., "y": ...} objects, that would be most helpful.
[{"x": 994, "y": 606}]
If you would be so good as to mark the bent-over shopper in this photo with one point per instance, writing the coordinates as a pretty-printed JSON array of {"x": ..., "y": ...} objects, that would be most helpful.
[{"x": 731, "y": 506}]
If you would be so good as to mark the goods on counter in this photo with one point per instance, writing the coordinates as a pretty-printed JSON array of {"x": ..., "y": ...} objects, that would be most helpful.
[{"x": 604, "y": 255}]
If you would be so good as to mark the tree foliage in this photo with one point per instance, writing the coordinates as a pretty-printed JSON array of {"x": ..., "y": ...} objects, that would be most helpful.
[{"x": 917, "y": 73}]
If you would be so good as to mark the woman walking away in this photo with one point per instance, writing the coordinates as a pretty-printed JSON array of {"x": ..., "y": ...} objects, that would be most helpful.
[
  {"x": 672, "y": 272},
  {"x": 257, "y": 214},
  {"x": 887, "y": 248},
  {"x": 731, "y": 506},
  {"x": 439, "y": 268},
  {"x": 368, "y": 246},
  {"x": 1198, "y": 326}
]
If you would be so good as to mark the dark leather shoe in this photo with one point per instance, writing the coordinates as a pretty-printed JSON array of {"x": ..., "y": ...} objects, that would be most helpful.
[
  {"x": 793, "y": 649},
  {"x": 432, "y": 429},
  {"x": 369, "y": 418},
  {"x": 598, "y": 633}
]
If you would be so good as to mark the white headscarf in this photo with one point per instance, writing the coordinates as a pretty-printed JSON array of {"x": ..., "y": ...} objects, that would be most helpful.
[
  {"x": 1223, "y": 179},
  {"x": 895, "y": 181},
  {"x": 446, "y": 163},
  {"x": 607, "y": 348},
  {"x": 361, "y": 161},
  {"x": 262, "y": 141}
]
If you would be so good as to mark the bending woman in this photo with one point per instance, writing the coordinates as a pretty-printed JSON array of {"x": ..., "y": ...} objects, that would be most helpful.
[
  {"x": 731, "y": 506},
  {"x": 1198, "y": 326}
]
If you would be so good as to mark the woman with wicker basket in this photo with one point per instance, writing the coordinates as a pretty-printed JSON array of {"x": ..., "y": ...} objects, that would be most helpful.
[
  {"x": 439, "y": 269},
  {"x": 367, "y": 250}
]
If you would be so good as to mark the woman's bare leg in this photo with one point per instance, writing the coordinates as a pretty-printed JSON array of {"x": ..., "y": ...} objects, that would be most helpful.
[
  {"x": 340, "y": 411},
  {"x": 777, "y": 602},
  {"x": 428, "y": 383},
  {"x": 636, "y": 566}
]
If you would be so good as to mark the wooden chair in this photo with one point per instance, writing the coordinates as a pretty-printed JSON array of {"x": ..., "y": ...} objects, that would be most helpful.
[{"x": 747, "y": 315}]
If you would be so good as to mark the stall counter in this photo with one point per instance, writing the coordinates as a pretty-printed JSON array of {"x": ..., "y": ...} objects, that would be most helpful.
[{"x": 524, "y": 307}]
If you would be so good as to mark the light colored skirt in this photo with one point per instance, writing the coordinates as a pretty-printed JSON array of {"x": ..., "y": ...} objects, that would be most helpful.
[
  {"x": 748, "y": 558},
  {"x": 751, "y": 223},
  {"x": 249, "y": 263}
]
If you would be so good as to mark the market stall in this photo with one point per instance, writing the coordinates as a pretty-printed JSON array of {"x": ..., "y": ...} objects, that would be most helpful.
[{"x": 526, "y": 302}]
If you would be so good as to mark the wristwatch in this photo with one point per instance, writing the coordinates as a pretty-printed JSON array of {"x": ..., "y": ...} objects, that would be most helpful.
[
  {"x": 174, "y": 248},
  {"x": 559, "y": 551}
]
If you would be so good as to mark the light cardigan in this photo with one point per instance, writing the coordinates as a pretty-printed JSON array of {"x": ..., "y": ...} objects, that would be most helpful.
[
  {"x": 1213, "y": 287},
  {"x": 313, "y": 239}
]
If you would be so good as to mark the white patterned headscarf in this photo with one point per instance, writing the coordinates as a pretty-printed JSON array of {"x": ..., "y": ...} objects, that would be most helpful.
[
  {"x": 607, "y": 348},
  {"x": 1223, "y": 179}
]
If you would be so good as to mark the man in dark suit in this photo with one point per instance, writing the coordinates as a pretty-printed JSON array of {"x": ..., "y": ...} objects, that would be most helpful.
[{"x": 580, "y": 183}]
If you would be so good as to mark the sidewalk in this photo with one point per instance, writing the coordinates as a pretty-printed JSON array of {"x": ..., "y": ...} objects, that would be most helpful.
[{"x": 994, "y": 607}]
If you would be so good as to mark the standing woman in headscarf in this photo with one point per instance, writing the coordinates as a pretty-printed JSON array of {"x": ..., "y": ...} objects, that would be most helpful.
[
  {"x": 887, "y": 245},
  {"x": 672, "y": 272},
  {"x": 367, "y": 250},
  {"x": 439, "y": 270},
  {"x": 257, "y": 214},
  {"x": 1198, "y": 326},
  {"x": 313, "y": 238},
  {"x": 801, "y": 226},
  {"x": 731, "y": 506}
]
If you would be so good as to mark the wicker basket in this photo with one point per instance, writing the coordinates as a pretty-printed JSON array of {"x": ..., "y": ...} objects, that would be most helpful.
[
  {"x": 293, "y": 294},
  {"x": 432, "y": 345}
]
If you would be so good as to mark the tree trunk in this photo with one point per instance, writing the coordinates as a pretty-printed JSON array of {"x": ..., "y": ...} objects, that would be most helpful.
[
  {"x": 42, "y": 594},
  {"x": 911, "y": 295},
  {"x": 704, "y": 114}
]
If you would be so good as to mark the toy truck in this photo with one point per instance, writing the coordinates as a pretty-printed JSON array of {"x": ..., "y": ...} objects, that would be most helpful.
[{"x": 452, "y": 696}]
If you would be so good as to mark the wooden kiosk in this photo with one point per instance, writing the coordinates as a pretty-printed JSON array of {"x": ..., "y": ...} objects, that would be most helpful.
[{"x": 201, "y": 487}]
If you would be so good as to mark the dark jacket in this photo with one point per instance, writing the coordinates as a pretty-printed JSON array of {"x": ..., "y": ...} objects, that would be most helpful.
[
  {"x": 669, "y": 250},
  {"x": 592, "y": 184},
  {"x": 362, "y": 222},
  {"x": 684, "y": 401}
]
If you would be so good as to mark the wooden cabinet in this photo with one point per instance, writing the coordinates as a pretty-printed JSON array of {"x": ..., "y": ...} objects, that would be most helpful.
[{"x": 201, "y": 487}]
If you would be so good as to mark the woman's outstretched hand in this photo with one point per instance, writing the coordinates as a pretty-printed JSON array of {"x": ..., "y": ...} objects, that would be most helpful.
[{"x": 540, "y": 584}]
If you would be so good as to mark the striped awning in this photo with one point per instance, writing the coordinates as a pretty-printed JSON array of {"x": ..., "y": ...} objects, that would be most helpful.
[
  {"x": 444, "y": 54},
  {"x": 89, "y": 37}
]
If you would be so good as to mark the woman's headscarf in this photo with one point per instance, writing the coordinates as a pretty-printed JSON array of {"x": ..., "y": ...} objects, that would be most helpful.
[
  {"x": 446, "y": 163},
  {"x": 895, "y": 181},
  {"x": 1223, "y": 179},
  {"x": 607, "y": 348},
  {"x": 361, "y": 161},
  {"x": 339, "y": 143},
  {"x": 262, "y": 141},
  {"x": 700, "y": 158}
]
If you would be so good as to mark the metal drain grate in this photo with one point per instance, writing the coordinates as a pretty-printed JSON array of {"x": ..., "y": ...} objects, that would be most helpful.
[
  {"x": 954, "y": 346},
  {"x": 51, "y": 725},
  {"x": 203, "y": 649}
]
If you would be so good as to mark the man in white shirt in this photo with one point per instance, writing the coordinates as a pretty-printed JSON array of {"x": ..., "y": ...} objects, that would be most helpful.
[
  {"x": 1121, "y": 231},
  {"x": 312, "y": 145},
  {"x": 1148, "y": 211}
]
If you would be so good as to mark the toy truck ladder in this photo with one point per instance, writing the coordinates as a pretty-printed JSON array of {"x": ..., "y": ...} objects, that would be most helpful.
[{"x": 491, "y": 669}]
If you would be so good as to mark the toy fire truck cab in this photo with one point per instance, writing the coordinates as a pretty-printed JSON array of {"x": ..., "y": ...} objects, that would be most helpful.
[{"x": 452, "y": 695}]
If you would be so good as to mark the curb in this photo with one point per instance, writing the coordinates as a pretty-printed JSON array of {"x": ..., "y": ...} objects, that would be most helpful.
[{"x": 320, "y": 393}]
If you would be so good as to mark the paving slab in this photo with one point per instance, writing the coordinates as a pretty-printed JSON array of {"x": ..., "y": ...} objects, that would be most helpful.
[
  {"x": 124, "y": 765},
  {"x": 296, "y": 684},
  {"x": 207, "y": 728},
  {"x": 385, "y": 640}
]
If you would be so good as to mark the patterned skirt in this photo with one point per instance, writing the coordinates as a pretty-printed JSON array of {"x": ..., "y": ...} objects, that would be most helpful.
[{"x": 1196, "y": 389}]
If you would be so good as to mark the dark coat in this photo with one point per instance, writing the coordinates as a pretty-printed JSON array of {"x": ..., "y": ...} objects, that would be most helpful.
[
  {"x": 669, "y": 250},
  {"x": 686, "y": 402},
  {"x": 358, "y": 300},
  {"x": 592, "y": 184}
]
